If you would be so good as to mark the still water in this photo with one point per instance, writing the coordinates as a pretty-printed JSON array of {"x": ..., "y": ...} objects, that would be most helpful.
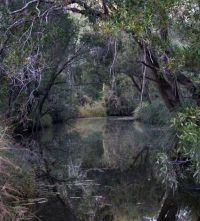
[{"x": 105, "y": 170}]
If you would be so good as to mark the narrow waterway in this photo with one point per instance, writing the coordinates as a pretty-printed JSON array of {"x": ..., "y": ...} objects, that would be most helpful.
[{"x": 105, "y": 170}]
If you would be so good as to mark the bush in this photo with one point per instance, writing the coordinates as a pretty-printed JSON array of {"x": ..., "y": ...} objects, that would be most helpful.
[
  {"x": 118, "y": 106},
  {"x": 96, "y": 109},
  {"x": 182, "y": 163},
  {"x": 69, "y": 111},
  {"x": 187, "y": 126},
  {"x": 155, "y": 113}
]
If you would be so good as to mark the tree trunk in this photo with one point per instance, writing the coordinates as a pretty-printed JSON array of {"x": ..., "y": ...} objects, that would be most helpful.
[
  {"x": 169, "y": 209},
  {"x": 166, "y": 84},
  {"x": 139, "y": 89}
]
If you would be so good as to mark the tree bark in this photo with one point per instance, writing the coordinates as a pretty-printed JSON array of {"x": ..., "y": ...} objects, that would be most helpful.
[{"x": 167, "y": 85}]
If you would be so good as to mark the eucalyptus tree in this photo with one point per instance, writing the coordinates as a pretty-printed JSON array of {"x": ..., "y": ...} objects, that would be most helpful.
[
  {"x": 167, "y": 57},
  {"x": 165, "y": 31},
  {"x": 153, "y": 26}
]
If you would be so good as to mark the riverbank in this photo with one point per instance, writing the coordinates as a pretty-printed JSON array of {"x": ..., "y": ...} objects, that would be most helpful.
[{"x": 17, "y": 182}]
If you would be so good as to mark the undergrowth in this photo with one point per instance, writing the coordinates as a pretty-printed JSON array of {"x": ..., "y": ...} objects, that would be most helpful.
[
  {"x": 182, "y": 161},
  {"x": 17, "y": 184},
  {"x": 155, "y": 113}
]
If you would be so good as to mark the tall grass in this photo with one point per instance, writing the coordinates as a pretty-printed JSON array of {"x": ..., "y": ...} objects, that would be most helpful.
[{"x": 96, "y": 109}]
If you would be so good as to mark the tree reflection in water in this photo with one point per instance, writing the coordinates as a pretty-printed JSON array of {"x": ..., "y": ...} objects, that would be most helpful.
[{"x": 104, "y": 169}]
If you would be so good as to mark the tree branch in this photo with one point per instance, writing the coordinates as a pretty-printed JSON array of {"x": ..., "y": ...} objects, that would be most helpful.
[
  {"x": 105, "y": 7},
  {"x": 25, "y": 6},
  {"x": 149, "y": 66}
]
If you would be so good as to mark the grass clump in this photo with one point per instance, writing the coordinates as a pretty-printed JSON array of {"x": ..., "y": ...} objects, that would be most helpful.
[{"x": 96, "y": 109}]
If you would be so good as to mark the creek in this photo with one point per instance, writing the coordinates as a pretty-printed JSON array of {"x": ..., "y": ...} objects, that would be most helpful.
[{"x": 104, "y": 169}]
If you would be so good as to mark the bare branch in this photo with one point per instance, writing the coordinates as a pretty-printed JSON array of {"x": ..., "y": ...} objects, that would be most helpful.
[
  {"x": 25, "y": 7},
  {"x": 149, "y": 66}
]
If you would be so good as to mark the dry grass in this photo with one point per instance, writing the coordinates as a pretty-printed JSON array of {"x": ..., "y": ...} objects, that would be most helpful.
[
  {"x": 97, "y": 109},
  {"x": 11, "y": 195}
]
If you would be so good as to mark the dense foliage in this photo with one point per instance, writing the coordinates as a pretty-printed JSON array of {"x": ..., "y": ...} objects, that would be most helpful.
[{"x": 90, "y": 58}]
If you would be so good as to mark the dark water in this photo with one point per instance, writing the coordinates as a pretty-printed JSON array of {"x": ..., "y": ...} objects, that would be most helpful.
[{"x": 104, "y": 170}]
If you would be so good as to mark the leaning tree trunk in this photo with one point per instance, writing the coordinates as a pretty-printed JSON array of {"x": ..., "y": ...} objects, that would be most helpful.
[{"x": 165, "y": 81}]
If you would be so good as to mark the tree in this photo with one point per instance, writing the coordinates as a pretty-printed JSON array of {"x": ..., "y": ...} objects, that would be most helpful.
[
  {"x": 152, "y": 25},
  {"x": 30, "y": 66},
  {"x": 156, "y": 28}
]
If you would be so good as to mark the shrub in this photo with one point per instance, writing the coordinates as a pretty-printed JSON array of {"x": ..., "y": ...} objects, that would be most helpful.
[
  {"x": 183, "y": 161},
  {"x": 187, "y": 126},
  {"x": 155, "y": 113},
  {"x": 69, "y": 111},
  {"x": 118, "y": 105}
]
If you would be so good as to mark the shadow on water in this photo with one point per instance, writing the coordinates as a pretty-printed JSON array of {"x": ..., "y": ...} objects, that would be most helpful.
[{"x": 103, "y": 170}]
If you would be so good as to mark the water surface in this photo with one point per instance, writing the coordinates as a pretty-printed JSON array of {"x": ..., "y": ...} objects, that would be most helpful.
[{"x": 104, "y": 170}]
